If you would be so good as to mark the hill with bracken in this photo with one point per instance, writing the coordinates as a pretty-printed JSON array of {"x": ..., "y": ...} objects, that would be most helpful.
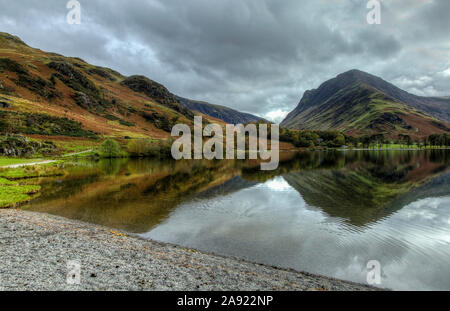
[{"x": 45, "y": 95}]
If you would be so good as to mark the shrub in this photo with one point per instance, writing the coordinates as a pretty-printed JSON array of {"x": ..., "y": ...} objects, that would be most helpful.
[
  {"x": 42, "y": 124},
  {"x": 126, "y": 123},
  {"x": 142, "y": 148},
  {"x": 7, "y": 64},
  {"x": 149, "y": 148},
  {"x": 110, "y": 149}
]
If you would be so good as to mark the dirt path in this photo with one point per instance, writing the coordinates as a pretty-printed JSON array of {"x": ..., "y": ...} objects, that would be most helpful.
[
  {"x": 77, "y": 153},
  {"x": 29, "y": 164},
  {"x": 43, "y": 161}
]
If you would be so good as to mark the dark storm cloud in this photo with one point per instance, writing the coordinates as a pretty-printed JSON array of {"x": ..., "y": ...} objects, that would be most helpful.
[{"x": 257, "y": 56}]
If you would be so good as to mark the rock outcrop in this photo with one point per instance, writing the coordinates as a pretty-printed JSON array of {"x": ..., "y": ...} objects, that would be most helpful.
[
  {"x": 157, "y": 92},
  {"x": 20, "y": 146},
  {"x": 5, "y": 102},
  {"x": 73, "y": 78}
]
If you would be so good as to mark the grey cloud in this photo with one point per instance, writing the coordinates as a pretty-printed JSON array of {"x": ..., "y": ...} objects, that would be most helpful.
[{"x": 253, "y": 55}]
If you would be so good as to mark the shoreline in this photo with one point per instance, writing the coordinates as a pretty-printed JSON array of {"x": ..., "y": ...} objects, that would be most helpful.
[
  {"x": 36, "y": 248},
  {"x": 50, "y": 160},
  {"x": 391, "y": 149}
]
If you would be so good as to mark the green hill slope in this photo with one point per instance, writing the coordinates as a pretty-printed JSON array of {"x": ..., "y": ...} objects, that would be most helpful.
[{"x": 354, "y": 103}]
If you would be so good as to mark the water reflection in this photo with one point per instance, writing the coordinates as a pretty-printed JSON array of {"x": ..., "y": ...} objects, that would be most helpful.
[
  {"x": 412, "y": 245},
  {"x": 327, "y": 213},
  {"x": 129, "y": 195}
]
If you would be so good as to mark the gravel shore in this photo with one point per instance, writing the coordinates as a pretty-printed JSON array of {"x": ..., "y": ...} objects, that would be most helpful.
[{"x": 35, "y": 249}]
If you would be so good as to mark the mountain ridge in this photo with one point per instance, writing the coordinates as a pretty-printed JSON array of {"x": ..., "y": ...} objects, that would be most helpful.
[
  {"x": 356, "y": 101},
  {"x": 48, "y": 94},
  {"x": 223, "y": 113}
]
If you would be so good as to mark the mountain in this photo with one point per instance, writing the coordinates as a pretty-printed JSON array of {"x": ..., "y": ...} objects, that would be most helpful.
[
  {"x": 219, "y": 112},
  {"x": 46, "y": 95},
  {"x": 360, "y": 103}
]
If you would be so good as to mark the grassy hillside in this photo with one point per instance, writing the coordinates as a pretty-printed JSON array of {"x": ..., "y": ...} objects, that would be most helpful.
[
  {"x": 351, "y": 105},
  {"x": 49, "y": 94}
]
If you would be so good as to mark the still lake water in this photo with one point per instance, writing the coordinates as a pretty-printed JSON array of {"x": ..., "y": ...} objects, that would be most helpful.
[{"x": 324, "y": 213}]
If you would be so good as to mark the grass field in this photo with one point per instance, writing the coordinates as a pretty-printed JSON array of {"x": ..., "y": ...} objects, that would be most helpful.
[
  {"x": 12, "y": 193},
  {"x": 34, "y": 171},
  {"x": 16, "y": 185}
]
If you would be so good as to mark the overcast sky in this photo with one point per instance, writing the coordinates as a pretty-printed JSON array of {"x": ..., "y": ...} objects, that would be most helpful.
[{"x": 257, "y": 56}]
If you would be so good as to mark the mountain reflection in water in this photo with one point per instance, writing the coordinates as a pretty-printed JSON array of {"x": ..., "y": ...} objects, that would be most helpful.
[{"x": 321, "y": 212}]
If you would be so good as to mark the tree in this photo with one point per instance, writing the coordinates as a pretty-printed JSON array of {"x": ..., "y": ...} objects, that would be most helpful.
[
  {"x": 110, "y": 148},
  {"x": 408, "y": 140},
  {"x": 435, "y": 140},
  {"x": 339, "y": 140},
  {"x": 303, "y": 142},
  {"x": 365, "y": 140},
  {"x": 140, "y": 147},
  {"x": 377, "y": 139},
  {"x": 405, "y": 139},
  {"x": 419, "y": 144},
  {"x": 425, "y": 142},
  {"x": 351, "y": 141}
]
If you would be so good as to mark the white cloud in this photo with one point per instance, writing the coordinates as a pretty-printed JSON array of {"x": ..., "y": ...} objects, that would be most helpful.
[
  {"x": 276, "y": 115},
  {"x": 445, "y": 73}
]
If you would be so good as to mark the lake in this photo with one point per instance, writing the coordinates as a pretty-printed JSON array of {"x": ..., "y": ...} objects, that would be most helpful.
[{"x": 327, "y": 213}]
